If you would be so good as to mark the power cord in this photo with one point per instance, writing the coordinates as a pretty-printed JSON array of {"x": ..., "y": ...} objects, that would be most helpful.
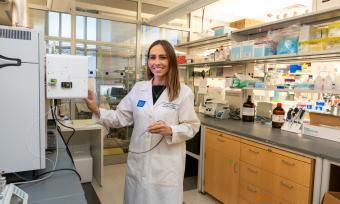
[
  {"x": 56, "y": 119},
  {"x": 61, "y": 134},
  {"x": 134, "y": 152},
  {"x": 149, "y": 149},
  {"x": 65, "y": 169}
]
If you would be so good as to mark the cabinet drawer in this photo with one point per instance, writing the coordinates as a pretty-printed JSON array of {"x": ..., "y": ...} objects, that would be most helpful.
[
  {"x": 254, "y": 194},
  {"x": 256, "y": 176},
  {"x": 253, "y": 155},
  {"x": 291, "y": 191},
  {"x": 226, "y": 144},
  {"x": 277, "y": 200},
  {"x": 292, "y": 169},
  {"x": 242, "y": 201}
]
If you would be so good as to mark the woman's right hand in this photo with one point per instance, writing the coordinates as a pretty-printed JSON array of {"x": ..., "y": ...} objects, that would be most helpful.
[{"x": 91, "y": 103}]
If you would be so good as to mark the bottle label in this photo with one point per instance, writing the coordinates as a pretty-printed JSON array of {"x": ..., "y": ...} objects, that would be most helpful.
[
  {"x": 248, "y": 111},
  {"x": 278, "y": 118}
]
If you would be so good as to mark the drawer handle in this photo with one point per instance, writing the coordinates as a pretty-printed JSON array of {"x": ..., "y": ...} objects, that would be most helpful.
[
  {"x": 220, "y": 140},
  {"x": 288, "y": 163},
  {"x": 286, "y": 185},
  {"x": 236, "y": 168},
  {"x": 251, "y": 190},
  {"x": 252, "y": 151},
  {"x": 252, "y": 171}
]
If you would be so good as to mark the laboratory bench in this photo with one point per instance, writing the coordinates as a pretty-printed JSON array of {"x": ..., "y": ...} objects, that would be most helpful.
[
  {"x": 61, "y": 187},
  {"x": 255, "y": 163}
]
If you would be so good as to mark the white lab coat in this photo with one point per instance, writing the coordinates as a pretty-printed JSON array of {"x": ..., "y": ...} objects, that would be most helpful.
[{"x": 155, "y": 177}]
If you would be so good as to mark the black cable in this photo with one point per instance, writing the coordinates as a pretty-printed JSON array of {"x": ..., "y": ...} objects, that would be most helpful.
[
  {"x": 73, "y": 130},
  {"x": 149, "y": 149},
  {"x": 143, "y": 152},
  {"x": 67, "y": 149},
  {"x": 64, "y": 169},
  {"x": 61, "y": 135}
]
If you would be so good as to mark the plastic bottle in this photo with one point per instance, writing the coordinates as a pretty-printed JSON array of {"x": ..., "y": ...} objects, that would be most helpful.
[
  {"x": 248, "y": 111},
  {"x": 278, "y": 117},
  {"x": 309, "y": 105}
]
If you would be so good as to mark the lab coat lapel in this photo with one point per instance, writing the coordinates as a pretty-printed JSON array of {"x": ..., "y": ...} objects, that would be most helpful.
[{"x": 146, "y": 90}]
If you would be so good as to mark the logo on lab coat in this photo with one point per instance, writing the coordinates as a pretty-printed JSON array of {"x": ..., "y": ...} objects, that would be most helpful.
[{"x": 140, "y": 103}]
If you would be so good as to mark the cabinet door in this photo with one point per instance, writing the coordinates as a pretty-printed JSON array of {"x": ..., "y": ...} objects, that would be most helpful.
[
  {"x": 221, "y": 176},
  {"x": 221, "y": 166}
]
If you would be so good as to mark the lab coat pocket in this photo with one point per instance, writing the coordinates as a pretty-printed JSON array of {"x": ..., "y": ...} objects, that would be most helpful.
[{"x": 164, "y": 170}]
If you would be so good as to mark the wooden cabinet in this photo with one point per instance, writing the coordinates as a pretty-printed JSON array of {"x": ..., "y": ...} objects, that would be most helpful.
[
  {"x": 241, "y": 171},
  {"x": 275, "y": 172},
  {"x": 221, "y": 166}
]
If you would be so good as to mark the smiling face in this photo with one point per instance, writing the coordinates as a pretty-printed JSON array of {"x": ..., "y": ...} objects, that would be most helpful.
[{"x": 158, "y": 63}]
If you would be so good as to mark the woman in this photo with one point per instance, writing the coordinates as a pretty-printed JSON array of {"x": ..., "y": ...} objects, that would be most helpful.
[{"x": 162, "y": 111}]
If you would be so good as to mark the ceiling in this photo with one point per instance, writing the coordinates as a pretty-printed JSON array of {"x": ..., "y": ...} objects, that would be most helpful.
[
  {"x": 231, "y": 10},
  {"x": 222, "y": 10}
]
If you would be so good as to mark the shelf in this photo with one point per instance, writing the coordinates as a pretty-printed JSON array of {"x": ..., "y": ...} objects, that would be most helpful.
[
  {"x": 204, "y": 41},
  {"x": 304, "y": 57},
  {"x": 218, "y": 63},
  {"x": 295, "y": 90},
  {"x": 311, "y": 56},
  {"x": 314, "y": 17}
]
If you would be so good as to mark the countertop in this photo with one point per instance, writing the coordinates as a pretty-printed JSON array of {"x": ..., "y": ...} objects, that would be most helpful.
[
  {"x": 61, "y": 187},
  {"x": 264, "y": 133}
]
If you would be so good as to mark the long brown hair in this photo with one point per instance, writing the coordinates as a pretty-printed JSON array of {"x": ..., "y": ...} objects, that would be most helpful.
[{"x": 172, "y": 77}]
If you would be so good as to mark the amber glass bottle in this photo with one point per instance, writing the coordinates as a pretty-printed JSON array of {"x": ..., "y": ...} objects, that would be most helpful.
[
  {"x": 278, "y": 116},
  {"x": 248, "y": 111}
]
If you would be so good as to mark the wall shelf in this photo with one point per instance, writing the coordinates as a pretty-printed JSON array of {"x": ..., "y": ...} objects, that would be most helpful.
[
  {"x": 225, "y": 63},
  {"x": 310, "y": 18},
  {"x": 204, "y": 41},
  {"x": 326, "y": 55},
  {"x": 295, "y": 90}
]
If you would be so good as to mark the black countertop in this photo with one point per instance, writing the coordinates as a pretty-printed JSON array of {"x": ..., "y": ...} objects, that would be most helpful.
[{"x": 264, "y": 133}]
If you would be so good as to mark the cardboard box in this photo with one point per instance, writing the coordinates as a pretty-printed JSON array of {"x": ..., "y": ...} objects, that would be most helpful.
[
  {"x": 244, "y": 23},
  {"x": 331, "y": 198}
]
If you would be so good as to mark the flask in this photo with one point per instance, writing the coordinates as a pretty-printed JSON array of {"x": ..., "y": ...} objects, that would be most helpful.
[
  {"x": 278, "y": 116},
  {"x": 248, "y": 111}
]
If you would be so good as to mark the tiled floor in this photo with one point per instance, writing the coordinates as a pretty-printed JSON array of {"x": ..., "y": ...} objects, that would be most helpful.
[{"x": 113, "y": 188}]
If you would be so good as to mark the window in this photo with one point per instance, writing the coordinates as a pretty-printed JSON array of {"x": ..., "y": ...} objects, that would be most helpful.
[
  {"x": 53, "y": 24},
  {"x": 106, "y": 30},
  {"x": 65, "y": 48},
  {"x": 91, "y": 30},
  {"x": 66, "y": 25},
  {"x": 80, "y": 30}
]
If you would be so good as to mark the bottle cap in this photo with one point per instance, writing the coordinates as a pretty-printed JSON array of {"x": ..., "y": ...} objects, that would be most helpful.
[{"x": 279, "y": 105}]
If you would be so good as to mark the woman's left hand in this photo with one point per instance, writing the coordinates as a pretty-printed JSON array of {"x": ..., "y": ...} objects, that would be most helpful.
[{"x": 161, "y": 128}]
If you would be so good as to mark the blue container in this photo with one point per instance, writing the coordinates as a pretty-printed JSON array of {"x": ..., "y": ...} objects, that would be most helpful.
[
  {"x": 235, "y": 53},
  {"x": 287, "y": 45},
  {"x": 294, "y": 67}
]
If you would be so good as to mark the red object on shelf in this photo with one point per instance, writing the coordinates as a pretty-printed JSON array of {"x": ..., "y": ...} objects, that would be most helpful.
[{"x": 181, "y": 59}]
